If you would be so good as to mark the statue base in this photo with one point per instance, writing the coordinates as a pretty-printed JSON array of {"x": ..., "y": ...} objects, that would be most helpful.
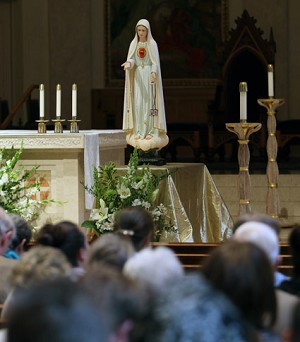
[
  {"x": 155, "y": 143},
  {"x": 150, "y": 157}
]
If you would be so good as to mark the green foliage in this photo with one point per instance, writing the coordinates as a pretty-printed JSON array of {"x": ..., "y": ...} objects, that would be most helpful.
[
  {"x": 138, "y": 186},
  {"x": 17, "y": 189}
]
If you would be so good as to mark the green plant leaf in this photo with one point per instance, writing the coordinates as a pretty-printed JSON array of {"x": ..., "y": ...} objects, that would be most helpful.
[
  {"x": 138, "y": 186},
  {"x": 89, "y": 224}
]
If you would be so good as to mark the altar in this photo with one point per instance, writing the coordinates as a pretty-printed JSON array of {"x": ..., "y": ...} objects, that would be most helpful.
[
  {"x": 66, "y": 162},
  {"x": 198, "y": 208},
  {"x": 194, "y": 204}
]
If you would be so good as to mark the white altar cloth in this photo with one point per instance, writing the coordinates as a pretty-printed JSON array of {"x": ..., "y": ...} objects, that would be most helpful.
[{"x": 66, "y": 161}]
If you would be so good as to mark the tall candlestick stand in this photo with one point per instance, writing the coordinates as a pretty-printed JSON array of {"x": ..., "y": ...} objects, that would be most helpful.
[
  {"x": 42, "y": 125},
  {"x": 58, "y": 128},
  {"x": 243, "y": 130},
  {"x": 273, "y": 203}
]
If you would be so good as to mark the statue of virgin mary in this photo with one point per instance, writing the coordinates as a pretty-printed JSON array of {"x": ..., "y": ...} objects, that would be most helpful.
[{"x": 144, "y": 118}]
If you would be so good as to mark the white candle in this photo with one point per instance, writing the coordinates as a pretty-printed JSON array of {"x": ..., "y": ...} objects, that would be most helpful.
[
  {"x": 243, "y": 101},
  {"x": 42, "y": 101},
  {"x": 74, "y": 101},
  {"x": 58, "y": 101},
  {"x": 270, "y": 81}
]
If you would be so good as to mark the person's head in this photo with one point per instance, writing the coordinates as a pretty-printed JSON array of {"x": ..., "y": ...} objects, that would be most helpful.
[
  {"x": 142, "y": 33},
  {"x": 294, "y": 242},
  {"x": 124, "y": 301},
  {"x": 261, "y": 235},
  {"x": 111, "y": 249},
  {"x": 136, "y": 223},
  {"x": 257, "y": 217},
  {"x": 67, "y": 237},
  {"x": 156, "y": 268},
  {"x": 7, "y": 231},
  {"x": 20, "y": 241},
  {"x": 40, "y": 263},
  {"x": 59, "y": 311},
  {"x": 192, "y": 310},
  {"x": 143, "y": 30},
  {"x": 243, "y": 272}
]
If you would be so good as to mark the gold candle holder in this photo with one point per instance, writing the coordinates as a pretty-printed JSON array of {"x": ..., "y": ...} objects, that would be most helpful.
[
  {"x": 273, "y": 202},
  {"x": 74, "y": 128},
  {"x": 243, "y": 130},
  {"x": 58, "y": 128},
  {"x": 42, "y": 125}
]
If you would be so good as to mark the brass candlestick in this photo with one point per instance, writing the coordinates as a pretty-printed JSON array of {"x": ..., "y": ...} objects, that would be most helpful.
[
  {"x": 74, "y": 125},
  {"x": 273, "y": 203},
  {"x": 243, "y": 130},
  {"x": 58, "y": 128},
  {"x": 42, "y": 125}
]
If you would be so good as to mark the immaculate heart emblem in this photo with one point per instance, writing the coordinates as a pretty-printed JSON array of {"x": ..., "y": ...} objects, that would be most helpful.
[{"x": 141, "y": 52}]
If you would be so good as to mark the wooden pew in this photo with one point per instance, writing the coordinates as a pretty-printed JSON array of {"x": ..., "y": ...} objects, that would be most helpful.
[{"x": 193, "y": 255}]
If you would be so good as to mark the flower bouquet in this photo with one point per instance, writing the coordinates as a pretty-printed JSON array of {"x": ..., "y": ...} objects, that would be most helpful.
[
  {"x": 137, "y": 187},
  {"x": 17, "y": 188}
]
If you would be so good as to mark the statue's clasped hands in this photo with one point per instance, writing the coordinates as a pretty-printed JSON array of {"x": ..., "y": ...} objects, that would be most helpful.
[{"x": 153, "y": 77}]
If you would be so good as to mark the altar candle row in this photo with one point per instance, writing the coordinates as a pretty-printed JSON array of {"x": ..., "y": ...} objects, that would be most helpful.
[
  {"x": 243, "y": 88},
  {"x": 58, "y": 101}
]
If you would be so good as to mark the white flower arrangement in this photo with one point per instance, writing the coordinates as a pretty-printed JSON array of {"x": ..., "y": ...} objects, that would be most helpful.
[
  {"x": 113, "y": 192},
  {"x": 17, "y": 190}
]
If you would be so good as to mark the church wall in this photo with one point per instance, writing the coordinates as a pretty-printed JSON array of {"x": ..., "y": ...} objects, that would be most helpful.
[
  {"x": 53, "y": 42},
  {"x": 98, "y": 38},
  {"x": 293, "y": 78},
  {"x": 70, "y": 55},
  {"x": 16, "y": 62},
  {"x": 5, "y": 51},
  {"x": 270, "y": 14}
]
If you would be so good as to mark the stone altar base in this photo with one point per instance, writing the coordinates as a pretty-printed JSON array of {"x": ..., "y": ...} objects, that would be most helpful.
[{"x": 66, "y": 162}]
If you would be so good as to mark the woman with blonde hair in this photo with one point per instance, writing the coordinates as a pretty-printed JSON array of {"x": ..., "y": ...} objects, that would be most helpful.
[{"x": 38, "y": 264}]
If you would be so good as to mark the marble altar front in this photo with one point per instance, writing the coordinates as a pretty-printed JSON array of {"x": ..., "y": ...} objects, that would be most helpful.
[{"x": 66, "y": 161}]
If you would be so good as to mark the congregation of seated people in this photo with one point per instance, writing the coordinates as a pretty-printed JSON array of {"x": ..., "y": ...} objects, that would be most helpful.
[{"x": 121, "y": 288}]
